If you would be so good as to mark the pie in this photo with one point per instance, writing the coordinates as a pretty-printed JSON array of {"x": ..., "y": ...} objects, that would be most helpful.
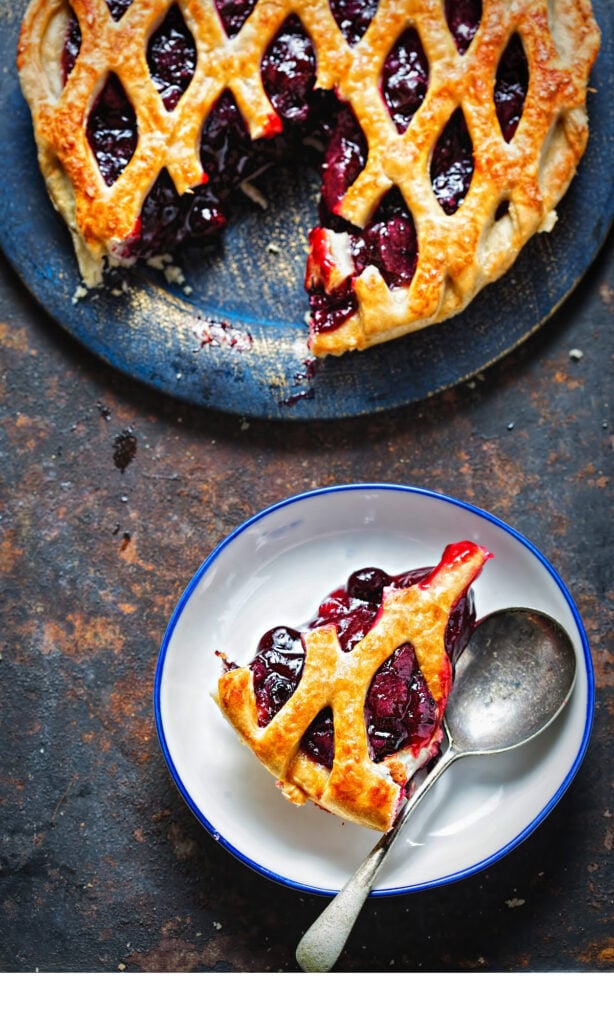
[
  {"x": 346, "y": 711},
  {"x": 446, "y": 131}
]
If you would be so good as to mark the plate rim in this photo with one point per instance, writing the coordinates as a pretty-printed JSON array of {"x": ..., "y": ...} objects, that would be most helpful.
[{"x": 439, "y": 881}]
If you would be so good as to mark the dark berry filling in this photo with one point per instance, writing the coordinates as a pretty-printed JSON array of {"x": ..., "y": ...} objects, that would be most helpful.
[
  {"x": 118, "y": 8},
  {"x": 112, "y": 130},
  {"x": 405, "y": 78},
  {"x": 399, "y": 710},
  {"x": 463, "y": 18},
  {"x": 72, "y": 45},
  {"x": 319, "y": 740},
  {"x": 331, "y": 309},
  {"x": 277, "y": 669},
  {"x": 168, "y": 219},
  {"x": 452, "y": 163},
  {"x": 288, "y": 70},
  {"x": 511, "y": 86},
  {"x": 353, "y": 17},
  {"x": 171, "y": 58},
  {"x": 233, "y": 14},
  {"x": 388, "y": 242},
  {"x": 226, "y": 151},
  {"x": 344, "y": 158}
]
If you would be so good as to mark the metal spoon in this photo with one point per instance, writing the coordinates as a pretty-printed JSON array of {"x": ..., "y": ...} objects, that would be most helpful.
[{"x": 511, "y": 681}]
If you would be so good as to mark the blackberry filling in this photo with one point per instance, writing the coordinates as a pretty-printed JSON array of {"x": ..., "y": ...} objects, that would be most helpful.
[
  {"x": 233, "y": 14},
  {"x": 288, "y": 68},
  {"x": 388, "y": 242},
  {"x": 118, "y": 8},
  {"x": 511, "y": 86},
  {"x": 452, "y": 164},
  {"x": 288, "y": 71},
  {"x": 112, "y": 130},
  {"x": 463, "y": 18},
  {"x": 72, "y": 45},
  {"x": 399, "y": 710},
  {"x": 353, "y": 17},
  {"x": 331, "y": 309},
  {"x": 405, "y": 78},
  {"x": 171, "y": 58},
  {"x": 344, "y": 158}
]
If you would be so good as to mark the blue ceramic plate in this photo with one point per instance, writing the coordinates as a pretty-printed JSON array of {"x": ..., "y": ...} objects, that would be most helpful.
[
  {"x": 251, "y": 300},
  {"x": 273, "y": 570}
]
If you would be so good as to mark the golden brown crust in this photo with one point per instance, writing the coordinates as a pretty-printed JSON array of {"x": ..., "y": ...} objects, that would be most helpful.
[
  {"x": 460, "y": 254},
  {"x": 356, "y": 789},
  {"x": 457, "y": 255}
]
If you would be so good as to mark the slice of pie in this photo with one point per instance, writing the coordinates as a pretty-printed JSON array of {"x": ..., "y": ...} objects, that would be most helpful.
[
  {"x": 446, "y": 132},
  {"x": 346, "y": 711}
]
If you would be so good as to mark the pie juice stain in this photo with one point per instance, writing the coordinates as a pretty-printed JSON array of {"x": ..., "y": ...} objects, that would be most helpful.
[{"x": 124, "y": 449}]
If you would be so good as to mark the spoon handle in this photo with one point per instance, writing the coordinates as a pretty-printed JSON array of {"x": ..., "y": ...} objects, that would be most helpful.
[{"x": 323, "y": 942}]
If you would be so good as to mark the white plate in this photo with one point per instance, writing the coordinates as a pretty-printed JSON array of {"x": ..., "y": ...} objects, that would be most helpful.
[{"x": 273, "y": 570}]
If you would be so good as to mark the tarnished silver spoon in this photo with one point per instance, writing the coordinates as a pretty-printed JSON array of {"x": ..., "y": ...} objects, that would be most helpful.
[{"x": 512, "y": 680}]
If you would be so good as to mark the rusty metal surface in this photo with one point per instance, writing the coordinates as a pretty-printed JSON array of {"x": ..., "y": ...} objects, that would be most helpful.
[{"x": 111, "y": 496}]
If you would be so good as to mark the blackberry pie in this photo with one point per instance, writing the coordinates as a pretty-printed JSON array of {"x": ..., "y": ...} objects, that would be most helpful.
[{"x": 446, "y": 133}]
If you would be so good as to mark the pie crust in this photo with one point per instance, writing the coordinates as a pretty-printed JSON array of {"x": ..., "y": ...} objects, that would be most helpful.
[
  {"x": 515, "y": 185},
  {"x": 357, "y": 788}
]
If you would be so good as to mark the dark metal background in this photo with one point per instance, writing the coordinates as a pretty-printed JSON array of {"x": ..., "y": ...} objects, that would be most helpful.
[{"x": 111, "y": 495}]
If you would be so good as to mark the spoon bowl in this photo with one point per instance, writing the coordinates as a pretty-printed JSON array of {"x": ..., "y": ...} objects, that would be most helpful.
[{"x": 513, "y": 679}]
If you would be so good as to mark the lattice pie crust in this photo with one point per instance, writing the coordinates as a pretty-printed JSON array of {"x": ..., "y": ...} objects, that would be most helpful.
[
  {"x": 457, "y": 255},
  {"x": 356, "y": 788}
]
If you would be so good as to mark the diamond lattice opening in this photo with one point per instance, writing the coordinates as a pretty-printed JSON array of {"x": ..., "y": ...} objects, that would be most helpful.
[
  {"x": 118, "y": 8},
  {"x": 171, "y": 57},
  {"x": 288, "y": 71},
  {"x": 452, "y": 163},
  {"x": 511, "y": 86},
  {"x": 405, "y": 78},
  {"x": 112, "y": 130},
  {"x": 71, "y": 46},
  {"x": 233, "y": 14},
  {"x": 399, "y": 708},
  {"x": 463, "y": 18},
  {"x": 319, "y": 739},
  {"x": 353, "y": 17},
  {"x": 502, "y": 210}
]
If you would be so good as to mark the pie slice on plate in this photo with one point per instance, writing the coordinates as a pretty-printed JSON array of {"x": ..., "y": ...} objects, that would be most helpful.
[{"x": 347, "y": 710}]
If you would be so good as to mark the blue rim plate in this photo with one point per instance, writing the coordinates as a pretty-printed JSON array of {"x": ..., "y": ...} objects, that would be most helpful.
[
  {"x": 274, "y": 569},
  {"x": 238, "y": 342}
]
